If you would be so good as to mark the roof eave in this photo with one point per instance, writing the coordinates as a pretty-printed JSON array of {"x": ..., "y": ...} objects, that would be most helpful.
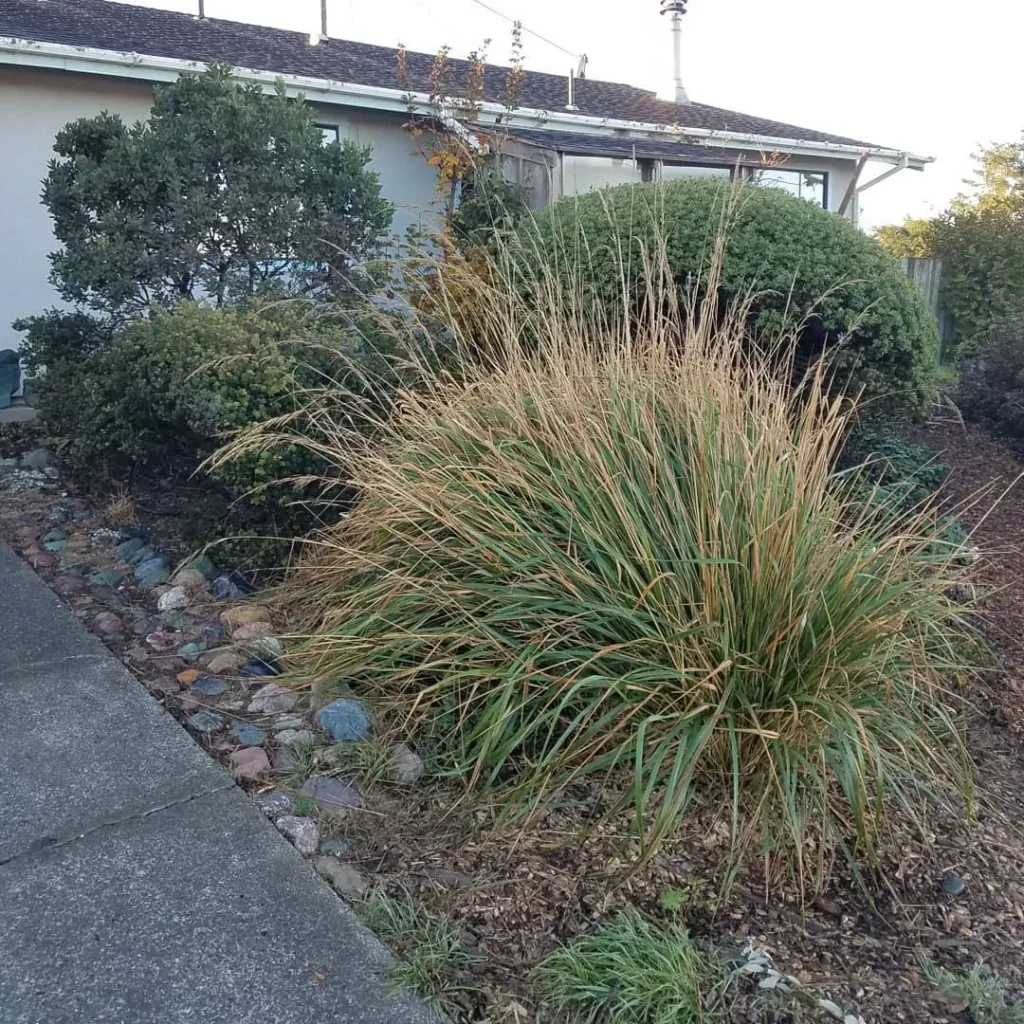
[{"x": 145, "y": 67}]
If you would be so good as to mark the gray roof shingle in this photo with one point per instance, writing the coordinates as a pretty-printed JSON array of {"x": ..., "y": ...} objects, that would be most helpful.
[{"x": 111, "y": 26}]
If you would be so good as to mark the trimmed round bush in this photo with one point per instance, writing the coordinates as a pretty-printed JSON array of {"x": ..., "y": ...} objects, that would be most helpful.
[{"x": 801, "y": 263}]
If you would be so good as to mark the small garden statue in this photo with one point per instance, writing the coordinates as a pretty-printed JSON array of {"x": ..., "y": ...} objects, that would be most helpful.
[{"x": 10, "y": 376}]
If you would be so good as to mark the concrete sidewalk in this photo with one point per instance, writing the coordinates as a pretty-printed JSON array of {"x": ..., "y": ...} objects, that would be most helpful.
[{"x": 137, "y": 882}]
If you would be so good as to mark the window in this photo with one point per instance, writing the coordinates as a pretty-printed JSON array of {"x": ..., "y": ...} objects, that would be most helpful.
[
  {"x": 809, "y": 185},
  {"x": 674, "y": 172},
  {"x": 580, "y": 174},
  {"x": 330, "y": 132}
]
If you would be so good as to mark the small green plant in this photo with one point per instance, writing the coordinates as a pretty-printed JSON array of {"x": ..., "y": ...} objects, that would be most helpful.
[
  {"x": 975, "y": 990},
  {"x": 303, "y": 764},
  {"x": 884, "y": 467},
  {"x": 630, "y": 971},
  {"x": 672, "y": 900},
  {"x": 429, "y": 947},
  {"x": 368, "y": 761}
]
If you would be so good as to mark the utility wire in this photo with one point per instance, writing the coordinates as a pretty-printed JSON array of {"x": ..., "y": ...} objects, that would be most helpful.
[{"x": 526, "y": 31}]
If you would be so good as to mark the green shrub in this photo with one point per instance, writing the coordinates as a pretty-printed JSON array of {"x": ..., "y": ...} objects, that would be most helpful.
[
  {"x": 630, "y": 971},
  {"x": 159, "y": 394},
  {"x": 884, "y": 467},
  {"x": 630, "y": 563},
  {"x": 991, "y": 388},
  {"x": 162, "y": 395},
  {"x": 804, "y": 264},
  {"x": 57, "y": 336}
]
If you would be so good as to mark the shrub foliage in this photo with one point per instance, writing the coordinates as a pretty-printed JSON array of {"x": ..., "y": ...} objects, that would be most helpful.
[
  {"x": 804, "y": 266},
  {"x": 991, "y": 387},
  {"x": 223, "y": 192},
  {"x": 627, "y": 564}
]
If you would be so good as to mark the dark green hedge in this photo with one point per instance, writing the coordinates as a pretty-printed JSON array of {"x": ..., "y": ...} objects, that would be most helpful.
[{"x": 801, "y": 260}]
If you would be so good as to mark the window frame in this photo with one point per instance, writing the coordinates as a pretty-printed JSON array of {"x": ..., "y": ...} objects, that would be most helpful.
[
  {"x": 825, "y": 180},
  {"x": 324, "y": 128}
]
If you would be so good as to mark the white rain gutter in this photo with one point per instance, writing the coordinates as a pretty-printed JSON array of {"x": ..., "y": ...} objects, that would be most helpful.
[{"x": 118, "y": 64}]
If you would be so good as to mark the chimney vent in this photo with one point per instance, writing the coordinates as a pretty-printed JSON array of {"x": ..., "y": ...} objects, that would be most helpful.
[
  {"x": 677, "y": 8},
  {"x": 316, "y": 39},
  {"x": 571, "y": 105}
]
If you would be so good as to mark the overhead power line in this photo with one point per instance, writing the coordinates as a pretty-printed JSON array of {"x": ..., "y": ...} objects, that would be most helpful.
[{"x": 526, "y": 31}]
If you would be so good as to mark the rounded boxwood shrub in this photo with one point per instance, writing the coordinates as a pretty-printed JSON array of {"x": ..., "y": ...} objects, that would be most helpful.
[{"x": 800, "y": 263}]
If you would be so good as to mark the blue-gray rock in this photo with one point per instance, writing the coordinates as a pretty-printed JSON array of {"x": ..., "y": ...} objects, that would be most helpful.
[
  {"x": 154, "y": 579},
  {"x": 206, "y": 721},
  {"x": 150, "y": 564},
  {"x": 191, "y": 650},
  {"x": 275, "y": 803},
  {"x": 128, "y": 548},
  {"x": 82, "y": 517},
  {"x": 55, "y": 535},
  {"x": 336, "y": 848},
  {"x": 283, "y": 761},
  {"x": 59, "y": 514},
  {"x": 204, "y": 565},
  {"x": 40, "y": 458},
  {"x": 331, "y": 794},
  {"x": 213, "y": 634},
  {"x": 249, "y": 736},
  {"x": 125, "y": 533},
  {"x": 953, "y": 886},
  {"x": 53, "y": 546},
  {"x": 257, "y": 668},
  {"x": 211, "y": 686},
  {"x": 143, "y": 554},
  {"x": 106, "y": 578},
  {"x": 224, "y": 588},
  {"x": 345, "y": 719}
]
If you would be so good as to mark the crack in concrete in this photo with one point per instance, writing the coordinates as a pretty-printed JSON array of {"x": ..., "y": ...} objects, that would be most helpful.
[{"x": 48, "y": 843}]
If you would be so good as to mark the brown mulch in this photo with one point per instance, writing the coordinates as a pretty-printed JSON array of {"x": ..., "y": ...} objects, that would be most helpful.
[{"x": 517, "y": 895}]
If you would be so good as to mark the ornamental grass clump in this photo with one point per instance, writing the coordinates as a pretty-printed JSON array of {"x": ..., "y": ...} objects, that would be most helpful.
[{"x": 614, "y": 551}]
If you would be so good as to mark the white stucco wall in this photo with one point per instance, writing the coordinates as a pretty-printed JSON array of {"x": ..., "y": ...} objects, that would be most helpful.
[
  {"x": 406, "y": 178},
  {"x": 35, "y": 105}
]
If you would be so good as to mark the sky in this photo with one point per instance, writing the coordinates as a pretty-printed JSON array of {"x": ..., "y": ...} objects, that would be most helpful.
[{"x": 935, "y": 77}]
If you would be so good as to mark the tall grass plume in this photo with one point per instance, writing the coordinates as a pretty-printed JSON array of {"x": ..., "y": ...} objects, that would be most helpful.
[{"x": 609, "y": 546}]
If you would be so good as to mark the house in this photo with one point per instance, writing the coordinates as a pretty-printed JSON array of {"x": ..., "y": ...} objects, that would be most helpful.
[{"x": 64, "y": 59}]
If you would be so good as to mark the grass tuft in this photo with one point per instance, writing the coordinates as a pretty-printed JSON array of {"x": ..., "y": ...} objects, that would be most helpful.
[
  {"x": 979, "y": 993},
  {"x": 120, "y": 509},
  {"x": 428, "y": 947},
  {"x": 611, "y": 548},
  {"x": 630, "y": 971}
]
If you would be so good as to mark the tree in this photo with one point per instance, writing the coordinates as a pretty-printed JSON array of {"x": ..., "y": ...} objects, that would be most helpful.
[
  {"x": 912, "y": 238},
  {"x": 981, "y": 239},
  {"x": 224, "y": 193}
]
